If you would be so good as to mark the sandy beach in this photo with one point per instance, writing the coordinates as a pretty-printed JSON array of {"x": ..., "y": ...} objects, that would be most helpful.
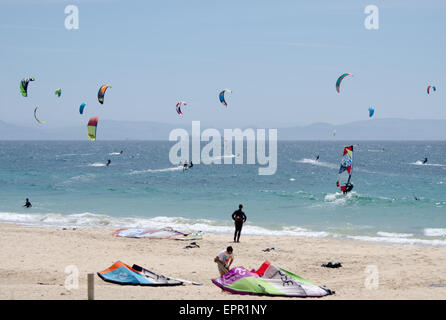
[{"x": 33, "y": 261}]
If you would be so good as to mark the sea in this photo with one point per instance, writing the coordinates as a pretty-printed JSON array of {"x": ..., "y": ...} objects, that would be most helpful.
[{"x": 396, "y": 198}]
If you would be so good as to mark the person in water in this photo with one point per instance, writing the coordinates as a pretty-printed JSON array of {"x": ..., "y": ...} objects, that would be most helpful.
[
  {"x": 121, "y": 152},
  {"x": 108, "y": 162},
  {"x": 226, "y": 257},
  {"x": 27, "y": 203},
  {"x": 191, "y": 164},
  {"x": 425, "y": 160},
  {"x": 348, "y": 188},
  {"x": 239, "y": 218},
  {"x": 317, "y": 158}
]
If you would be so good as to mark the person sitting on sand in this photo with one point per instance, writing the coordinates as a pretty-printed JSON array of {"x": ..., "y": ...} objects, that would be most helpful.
[
  {"x": 27, "y": 204},
  {"x": 226, "y": 257},
  {"x": 239, "y": 218}
]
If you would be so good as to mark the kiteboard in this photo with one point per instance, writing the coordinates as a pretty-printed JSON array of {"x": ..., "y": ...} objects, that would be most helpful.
[{"x": 221, "y": 265}]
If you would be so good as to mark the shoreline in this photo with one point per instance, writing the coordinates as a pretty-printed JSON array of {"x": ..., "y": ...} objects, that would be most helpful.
[{"x": 33, "y": 263}]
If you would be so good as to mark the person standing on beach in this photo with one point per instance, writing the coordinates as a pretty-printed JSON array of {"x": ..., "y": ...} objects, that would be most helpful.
[
  {"x": 226, "y": 257},
  {"x": 27, "y": 203},
  {"x": 239, "y": 218}
]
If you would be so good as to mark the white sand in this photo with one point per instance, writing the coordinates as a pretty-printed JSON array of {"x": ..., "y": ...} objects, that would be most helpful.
[{"x": 33, "y": 262}]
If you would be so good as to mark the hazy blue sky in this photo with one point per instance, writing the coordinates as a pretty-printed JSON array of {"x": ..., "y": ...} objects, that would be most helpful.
[{"x": 280, "y": 58}]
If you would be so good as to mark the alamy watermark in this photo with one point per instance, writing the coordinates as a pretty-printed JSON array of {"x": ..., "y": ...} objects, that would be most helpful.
[
  {"x": 371, "y": 22},
  {"x": 72, "y": 18},
  {"x": 256, "y": 145},
  {"x": 371, "y": 281}
]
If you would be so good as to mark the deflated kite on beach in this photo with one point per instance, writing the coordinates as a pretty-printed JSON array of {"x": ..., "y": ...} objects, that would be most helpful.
[
  {"x": 122, "y": 274},
  {"x": 165, "y": 233},
  {"x": 268, "y": 280}
]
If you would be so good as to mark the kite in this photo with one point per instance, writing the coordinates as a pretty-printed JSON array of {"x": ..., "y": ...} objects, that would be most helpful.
[
  {"x": 345, "y": 171},
  {"x": 338, "y": 82},
  {"x": 35, "y": 116},
  {"x": 24, "y": 86},
  {"x": 179, "y": 105},
  {"x": 101, "y": 93},
  {"x": 91, "y": 128},
  {"x": 222, "y": 96},
  {"x": 81, "y": 108},
  {"x": 122, "y": 274},
  {"x": 371, "y": 112},
  {"x": 431, "y": 87},
  {"x": 58, "y": 92},
  {"x": 269, "y": 280},
  {"x": 165, "y": 233}
]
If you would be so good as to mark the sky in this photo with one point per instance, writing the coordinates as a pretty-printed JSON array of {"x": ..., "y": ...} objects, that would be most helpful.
[{"x": 281, "y": 60}]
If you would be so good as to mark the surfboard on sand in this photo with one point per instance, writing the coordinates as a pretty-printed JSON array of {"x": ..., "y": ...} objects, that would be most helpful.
[{"x": 221, "y": 264}]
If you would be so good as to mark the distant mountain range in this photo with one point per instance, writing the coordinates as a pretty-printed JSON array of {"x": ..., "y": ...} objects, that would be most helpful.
[{"x": 373, "y": 129}]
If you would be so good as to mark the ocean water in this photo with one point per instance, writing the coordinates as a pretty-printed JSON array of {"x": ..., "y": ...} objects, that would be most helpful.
[{"x": 69, "y": 185}]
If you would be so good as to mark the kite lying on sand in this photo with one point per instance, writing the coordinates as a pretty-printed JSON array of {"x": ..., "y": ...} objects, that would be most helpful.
[
  {"x": 165, "y": 233},
  {"x": 269, "y": 280}
]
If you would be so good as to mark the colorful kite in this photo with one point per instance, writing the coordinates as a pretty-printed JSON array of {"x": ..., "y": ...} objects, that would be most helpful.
[
  {"x": 122, "y": 274},
  {"x": 269, "y": 280},
  {"x": 101, "y": 93},
  {"x": 222, "y": 96},
  {"x": 338, "y": 82},
  {"x": 431, "y": 87},
  {"x": 35, "y": 115},
  {"x": 81, "y": 108},
  {"x": 24, "y": 86},
  {"x": 179, "y": 105},
  {"x": 91, "y": 128},
  {"x": 345, "y": 171}
]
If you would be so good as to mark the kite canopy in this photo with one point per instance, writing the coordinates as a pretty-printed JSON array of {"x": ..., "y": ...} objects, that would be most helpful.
[
  {"x": 371, "y": 112},
  {"x": 122, "y": 274},
  {"x": 431, "y": 87},
  {"x": 81, "y": 108},
  {"x": 222, "y": 96},
  {"x": 24, "y": 86},
  {"x": 101, "y": 93},
  {"x": 345, "y": 171},
  {"x": 179, "y": 105},
  {"x": 91, "y": 128},
  {"x": 35, "y": 115},
  {"x": 338, "y": 82},
  {"x": 269, "y": 280},
  {"x": 165, "y": 233},
  {"x": 58, "y": 92}
]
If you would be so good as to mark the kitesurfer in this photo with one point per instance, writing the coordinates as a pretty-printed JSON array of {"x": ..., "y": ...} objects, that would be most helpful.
[
  {"x": 348, "y": 188},
  {"x": 108, "y": 162},
  {"x": 191, "y": 164},
  {"x": 27, "y": 203},
  {"x": 425, "y": 160},
  {"x": 239, "y": 218},
  {"x": 121, "y": 152},
  {"x": 317, "y": 158},
  {"x": 185, "y": 165},
  {"x": 226, "y": 257}
]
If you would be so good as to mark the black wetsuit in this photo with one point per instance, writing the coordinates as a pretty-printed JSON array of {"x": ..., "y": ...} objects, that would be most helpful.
[
  {"x": 191, "y": 165},
  {"x": 239, "y": 217},
  {"x": 425, "y": 160},
  {"x": 108, "y": 162},
  {"x": 28, "y": 204},
  {"x": 348, "y": 188},
  {"x": 317, "y": 158}
]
